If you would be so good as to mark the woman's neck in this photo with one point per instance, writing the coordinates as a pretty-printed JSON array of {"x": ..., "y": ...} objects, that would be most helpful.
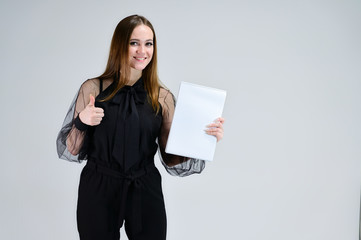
[{"x": 134, "y": 76}]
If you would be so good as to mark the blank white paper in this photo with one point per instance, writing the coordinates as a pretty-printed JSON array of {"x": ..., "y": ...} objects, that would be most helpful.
[{"x": 197, "y": 106}]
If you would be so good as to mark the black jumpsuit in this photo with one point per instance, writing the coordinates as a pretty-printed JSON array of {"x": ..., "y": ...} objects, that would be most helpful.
[{"x": 120, "y": 182}]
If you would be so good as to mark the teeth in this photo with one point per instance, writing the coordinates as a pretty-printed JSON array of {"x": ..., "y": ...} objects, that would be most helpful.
[{"x": 139, "y": 58}]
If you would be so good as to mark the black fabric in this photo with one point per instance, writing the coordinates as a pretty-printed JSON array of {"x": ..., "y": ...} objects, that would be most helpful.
[
  {"x": 130, "y": 183},
  {"x": 126, "y": 148},
  {"x": 126, "y": 137},
  {"x": 107, "y": 198},
  {"x": 121, "y": 148},
  {"x": 79, "y": 124}
]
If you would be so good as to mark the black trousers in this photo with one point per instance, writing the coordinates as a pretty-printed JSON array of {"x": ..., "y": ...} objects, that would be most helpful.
[{"x": 107, "y": 199}]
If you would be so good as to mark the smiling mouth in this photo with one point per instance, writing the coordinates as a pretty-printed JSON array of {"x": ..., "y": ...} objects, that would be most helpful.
[{"x": 140, "y": 58}]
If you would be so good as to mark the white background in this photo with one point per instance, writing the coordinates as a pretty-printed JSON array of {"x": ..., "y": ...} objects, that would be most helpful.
[{"x": 289, "y": 165}]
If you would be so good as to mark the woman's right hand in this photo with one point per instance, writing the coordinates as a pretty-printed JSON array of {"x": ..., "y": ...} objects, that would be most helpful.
[{"x": 91, "y": 115}]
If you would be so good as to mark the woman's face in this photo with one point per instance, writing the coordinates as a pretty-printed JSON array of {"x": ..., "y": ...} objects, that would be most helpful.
[{"x": 141, "y": 47}]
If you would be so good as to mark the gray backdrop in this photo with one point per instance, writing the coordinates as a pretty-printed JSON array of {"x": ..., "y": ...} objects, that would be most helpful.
[{"x": 289, "y": 165}]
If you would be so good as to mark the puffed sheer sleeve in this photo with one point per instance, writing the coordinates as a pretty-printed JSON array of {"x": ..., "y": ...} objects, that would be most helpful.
[
  {"x": 71, "y": 141},
  {"x": 175, "y": 165}
]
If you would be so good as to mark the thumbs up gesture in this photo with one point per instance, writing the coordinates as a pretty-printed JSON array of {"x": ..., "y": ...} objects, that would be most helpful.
[{"x": 91, "y": 115}]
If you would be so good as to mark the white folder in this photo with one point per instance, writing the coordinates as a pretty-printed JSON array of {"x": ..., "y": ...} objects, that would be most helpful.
[{"x": 197, "y": 106}]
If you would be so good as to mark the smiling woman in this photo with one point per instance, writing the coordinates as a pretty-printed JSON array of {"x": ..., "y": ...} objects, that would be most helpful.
[{"x": 117, "y": 122}]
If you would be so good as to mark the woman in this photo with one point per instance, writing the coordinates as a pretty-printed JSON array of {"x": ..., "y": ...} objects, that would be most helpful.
[{"x": 116, "y": 122}]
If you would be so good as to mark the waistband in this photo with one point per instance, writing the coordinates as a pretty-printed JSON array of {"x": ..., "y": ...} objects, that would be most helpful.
[{"x": 131, "y": 175}]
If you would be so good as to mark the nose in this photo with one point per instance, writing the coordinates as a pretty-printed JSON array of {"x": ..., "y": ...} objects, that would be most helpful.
[{"x": 140, "y": 49}]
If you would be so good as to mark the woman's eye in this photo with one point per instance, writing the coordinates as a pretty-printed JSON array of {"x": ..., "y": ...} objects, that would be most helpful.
[
  {"x": 133, "y": 43},
  {"x": 149, "y": 44}
]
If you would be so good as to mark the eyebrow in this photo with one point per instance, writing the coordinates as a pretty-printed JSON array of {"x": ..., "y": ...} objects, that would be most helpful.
[{"x": 148, "y": 40}]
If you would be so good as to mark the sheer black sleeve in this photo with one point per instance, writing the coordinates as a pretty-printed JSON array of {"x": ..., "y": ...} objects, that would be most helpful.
[
  {"x": 175, "y": 165},
  {"x": 71, "y": 141}
]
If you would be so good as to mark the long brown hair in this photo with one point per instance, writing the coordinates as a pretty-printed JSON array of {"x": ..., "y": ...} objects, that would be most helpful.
[{"x": 118, "y": 67}]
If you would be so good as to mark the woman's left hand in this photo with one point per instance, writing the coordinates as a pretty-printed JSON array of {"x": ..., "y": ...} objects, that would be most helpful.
[{"x": 216, "y": 128}]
